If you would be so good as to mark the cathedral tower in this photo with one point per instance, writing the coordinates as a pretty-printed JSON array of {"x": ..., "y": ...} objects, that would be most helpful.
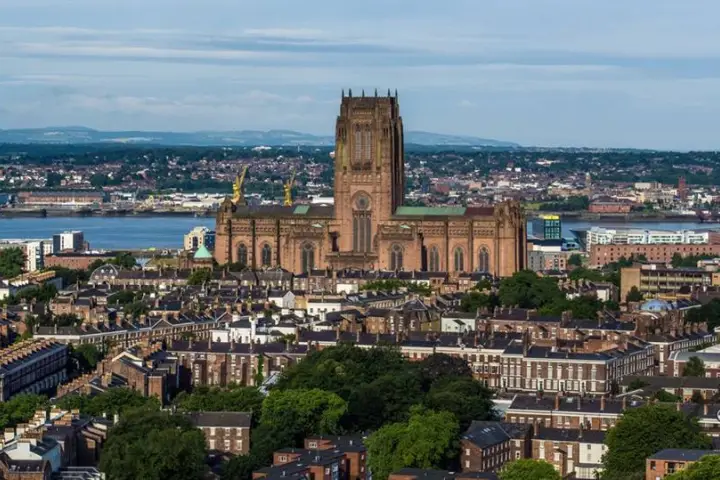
[{"x": 369, "y": 168}]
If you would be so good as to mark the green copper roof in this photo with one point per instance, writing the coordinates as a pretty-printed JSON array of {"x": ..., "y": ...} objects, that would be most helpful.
[
  {"x": 430, "y": 211},
  {"x": 202, "y": 253},
  {"x": 301, "y": 210}
]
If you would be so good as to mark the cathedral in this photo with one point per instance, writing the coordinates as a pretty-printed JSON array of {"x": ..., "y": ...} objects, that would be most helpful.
[{"x": 369, "y": 227}]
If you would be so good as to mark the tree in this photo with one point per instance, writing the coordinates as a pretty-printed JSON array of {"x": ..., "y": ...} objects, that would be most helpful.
[
  {"x": 303, "y": 412},
  {"x": 637, "y": 384},
  {"x": 472, "y": 301},
  {"x": 526, "y": 290},
  {"x": 69, "y": 276},
  {"x": 427, "y": 440},
  {"x": 465, "y": 398},
  {"x": 694, "y": 367},
  {"x": 154, "y": 445},
  {"x": 575, "y": 260},
  {"x": 124, "y": 260},
  {"x": 634, "y": 295},
  {"x": 215, "y": 399},
  {"x": 20, "y": 409},
  {"x": 86, "y": 357},
  {"x": 12, "y": 262},
  {"x": 117, "y": 400},
  {"x": 528, "y": 469},
  {"x": 643, "y": 431},
  {"x": 200, "y": 276},
  {"x": 66, "y": 320},
  {"x": 441, "y": 366},
  {"x": 704, "y": 469}
]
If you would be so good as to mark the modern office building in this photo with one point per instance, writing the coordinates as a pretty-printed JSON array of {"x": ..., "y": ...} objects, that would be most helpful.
[
  {"x": 547, "y": 227},
  {"x": 68, "y": 241}
]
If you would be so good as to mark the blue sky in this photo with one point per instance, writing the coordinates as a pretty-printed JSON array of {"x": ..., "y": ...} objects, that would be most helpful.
[{"x": 642, "y": 73}]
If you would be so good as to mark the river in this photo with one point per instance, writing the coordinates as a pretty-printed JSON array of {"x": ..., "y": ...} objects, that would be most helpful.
[{"x": 167, "y": 231}]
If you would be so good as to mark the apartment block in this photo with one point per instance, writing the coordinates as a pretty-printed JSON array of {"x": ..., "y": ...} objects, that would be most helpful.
[{"x": 32, "y": 366}]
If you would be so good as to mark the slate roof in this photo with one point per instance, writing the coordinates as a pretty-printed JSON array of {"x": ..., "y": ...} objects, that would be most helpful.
[
  {"x": 487, "y": 434},
  {"x": 221, "y": 419},
  {"x": 682, "y": 454}
]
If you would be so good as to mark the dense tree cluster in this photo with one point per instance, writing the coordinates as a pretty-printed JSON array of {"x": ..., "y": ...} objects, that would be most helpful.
[
  {"x": 393, "y": 285},
  {"x": 12, "y": 262},
  {"x": 679, "y": 261},
  {"x": 20, "y": 408},
  {"x": 347, "y": 389},
  {"x": 706, "y": 468},
  {"x": 217, "y": 399},
  {"x": 710, "y": 313},
  {"x": 528, "y": 469},
  {"x": 154, "y": 445},
  {"x": 113, "y": 401},
  {"x": 642, "y": 432}
]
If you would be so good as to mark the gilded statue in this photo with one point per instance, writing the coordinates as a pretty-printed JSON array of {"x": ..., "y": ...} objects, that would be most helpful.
[
  {"x": 287, "y": 188},
  {"x": 238, "y": 194}
]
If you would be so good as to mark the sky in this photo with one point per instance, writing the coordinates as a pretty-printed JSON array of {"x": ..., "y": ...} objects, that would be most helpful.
[{"x": 639, "y": 73}]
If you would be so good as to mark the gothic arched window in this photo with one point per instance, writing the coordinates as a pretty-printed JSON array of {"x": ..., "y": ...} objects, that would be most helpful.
[
  {"x": 362, "y": 224},
  {"x": 434, "y": 259},
  {"x": 266, "y": 255},
  {"x": 308, "y": 257},
  {"x": 484, "y": 260},
  {"x": 396, "y": 257},
  {"x": 459, "y": 259},
  {"x": 242, "y": 257}
]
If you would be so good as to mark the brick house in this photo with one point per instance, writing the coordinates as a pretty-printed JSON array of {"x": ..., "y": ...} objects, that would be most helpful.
[
  {"x": 573, "y": 452},
  {"x": 352, "y": 446},
  {"x": 568, "y": 412},
  {"x": 671, "y": 460},
  {"x": 226, "y": 432},
  {"x": 487, "y": 446}
]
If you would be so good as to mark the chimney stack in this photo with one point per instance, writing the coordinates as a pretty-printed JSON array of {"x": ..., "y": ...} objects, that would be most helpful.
[
  {"x": 602, "y": 403},
  {"x": 705, "y": 409},
  {"x": 557, "y": 402},
  {"x": 624, "y": 403}
]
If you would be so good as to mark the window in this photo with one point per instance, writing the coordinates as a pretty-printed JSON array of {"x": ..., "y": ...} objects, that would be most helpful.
[
  {"x": 396, "y": 257},
  {"x": 459, "y": 259},
  {"x": 434, "y": 259},
  {"x": 266, "y": 256},
  {"x": 242, "y": 257},
  {"x": 308, "y": 257},
  {"x": 484, "y": 260}
]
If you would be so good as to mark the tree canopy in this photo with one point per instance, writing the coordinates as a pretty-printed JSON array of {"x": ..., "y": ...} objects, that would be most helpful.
[
  {"x": 704, "y": 469},
  {"x": 20, "y": 408},
  {"x": 427, "y": 440},
  {"x": 110, "y": 402},
  {"x": 529, "y": 469},
  {"x": 380, "y": 386},
  {"x": 634, "y": 295},
  {"x": 12, "y": 262},
  {"x": 200, "y": 276},
  {"x": 154, "y": 445},
  {"x": 304, "y": 412},
  {"x": 216, "y": 399},
  {"x": 643, "y": 431},
  {"x": 694, "y": 367}
]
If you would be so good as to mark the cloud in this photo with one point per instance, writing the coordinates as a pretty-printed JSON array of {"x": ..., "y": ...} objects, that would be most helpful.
[{"x": 568, "y": 71}]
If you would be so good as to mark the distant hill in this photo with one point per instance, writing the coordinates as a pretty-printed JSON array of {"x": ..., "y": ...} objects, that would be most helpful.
[{"x": 75, "y": 135}]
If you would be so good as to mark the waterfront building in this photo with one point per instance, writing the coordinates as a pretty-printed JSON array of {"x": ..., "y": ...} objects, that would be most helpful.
[
  {"x": 623, "y": 236},
  {"x": 68, "y": 241},
  {"x": 61, "y": 198},
  {"x": 199, "y": 237},
  {"x": 76, "y": 260},
  {"x": 547, "y": 227},
  {"x": 655, "y": 252},
  {"x": 662, "y": 282},
  {"x": 368, "y": 226}
]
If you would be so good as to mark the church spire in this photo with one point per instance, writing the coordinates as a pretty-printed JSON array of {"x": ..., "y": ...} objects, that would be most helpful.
[{"x": 342, "y": 93}]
